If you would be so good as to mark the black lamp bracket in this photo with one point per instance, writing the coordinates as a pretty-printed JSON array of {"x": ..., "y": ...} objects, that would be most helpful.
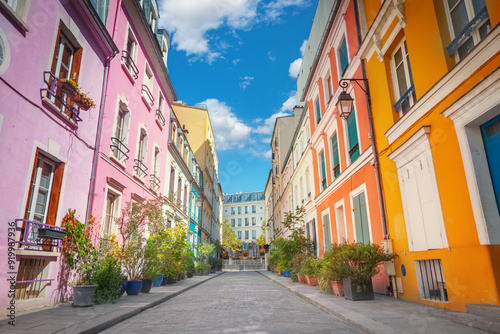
[{"x": 345, "y": 82}]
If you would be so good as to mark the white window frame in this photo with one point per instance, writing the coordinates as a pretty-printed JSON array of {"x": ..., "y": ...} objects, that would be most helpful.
[
  {"x": 407, "y": 67},
  {"x": 122, "y": 103},
  {"x": 116, "y": 208},
  {"x": 129, "y": 35},
  {"x": 141, "y": 152},
  {"x": 469, "y": 6},
  {"x": 337, "y": 222},
  {"x": 403, "y": 156},
  {"x": 4, "y": 65},
  {"x": 36, "y": 187},
  {"x": 148, "y": 81}
]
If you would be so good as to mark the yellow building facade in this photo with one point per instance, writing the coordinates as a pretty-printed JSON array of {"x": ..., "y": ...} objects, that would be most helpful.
[{"x": 434, "y": 77}]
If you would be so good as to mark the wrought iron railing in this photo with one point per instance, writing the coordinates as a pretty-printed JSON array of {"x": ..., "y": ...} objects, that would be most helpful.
[
  {"x": 129, "y": 63},
  {"x": 147, "y": 93},
  {"x": 404, "y": 97},
  {"x": 154, "y": 182},
  {"x": 353, "y": 150},
  {"x": 34, "y": 234},
  {"x": 119, "y": 149},
  {"x": 67, "y": 107},
  {"x": 140, "y": 168},
  {"x": 467, "y": 30},
  {"x": 160, "y": 117}
]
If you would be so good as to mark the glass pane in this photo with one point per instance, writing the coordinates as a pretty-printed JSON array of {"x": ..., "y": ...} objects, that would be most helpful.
[
  {"x": 484, "y": 29},
  {"x": 466, "y": 47},
  {"x": 41, "y": 202},
  {"x": 459, "y": 17},
  {"x": 344, "y": 57},
  {"x": 398, "y": 57},
  {"x": 45, "y": 177},
  {"x": 402, "y": 86},
  {"x": 478, "y": 5}
]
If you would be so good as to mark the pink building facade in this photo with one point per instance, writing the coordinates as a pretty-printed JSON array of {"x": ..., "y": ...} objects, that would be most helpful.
[
  {"x": 46, "y": 142},
  {"x": 133, "y": 145}
]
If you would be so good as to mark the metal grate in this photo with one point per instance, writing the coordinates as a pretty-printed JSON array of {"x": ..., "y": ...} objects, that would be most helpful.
[
  {"x": 31, "y": 278},
  {"x": 430, "y": 278}
]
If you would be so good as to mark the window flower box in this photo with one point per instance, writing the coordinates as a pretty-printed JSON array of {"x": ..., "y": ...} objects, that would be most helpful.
[
  {"x": 49, "y": 233},
  {"x": 83, "y": 101},
  {"x": 68, "y": 87}
]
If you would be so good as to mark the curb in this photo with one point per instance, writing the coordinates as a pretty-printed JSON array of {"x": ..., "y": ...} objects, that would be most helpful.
[
  {"x": 106, "y": 324},
  {"x": 337, "y": 315}
]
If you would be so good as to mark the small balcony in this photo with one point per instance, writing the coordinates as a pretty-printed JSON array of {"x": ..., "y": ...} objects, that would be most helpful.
[
  {"x": 129, "y": 64},
  {"x": 147, "y": 97},
  {"x": 159, "y": 117},
  {"x": 119, "y": 149},
  {"x": 57, "y": 100},
  {"x": 154, "y": 182},
  {"x": 39, "y": 236},
  {"x": 140, "y": 169}
]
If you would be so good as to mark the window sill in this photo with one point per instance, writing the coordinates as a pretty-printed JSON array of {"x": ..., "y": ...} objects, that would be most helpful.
[
  {"x": 38, "y": 253},
  {"x": 145, "y": 100},
  {"x": 127, "y": 71},
  {"x": 55, "y": 109},
  {"x": 158, "y": 122},
  {"x": 119, "y": 162},
  {"x": 15, "y": 17}
]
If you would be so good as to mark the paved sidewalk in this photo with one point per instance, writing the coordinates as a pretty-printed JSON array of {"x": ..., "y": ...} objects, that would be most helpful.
[
  {"x": 64, "y": 318},
  {"x": 382, "y": 315}
]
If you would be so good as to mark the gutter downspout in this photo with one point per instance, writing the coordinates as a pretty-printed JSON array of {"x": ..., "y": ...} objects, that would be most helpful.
[
  {"x": 98, "y": 137},
  {"x": 376, "y": 164}
]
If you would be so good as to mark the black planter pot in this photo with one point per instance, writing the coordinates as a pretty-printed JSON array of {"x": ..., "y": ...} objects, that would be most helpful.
[
  {"x": 351, "y": 291},
  {"x": 189, "y": 274},
  {"x": 147, "y": 284},
  {"x": 172, "y": 279},
  {"x": 124, "y": 285},
  {"x": 164, "y": 281}
]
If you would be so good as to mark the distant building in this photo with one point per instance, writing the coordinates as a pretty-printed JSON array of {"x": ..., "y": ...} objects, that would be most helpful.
[{"x": 245, "y": 212}]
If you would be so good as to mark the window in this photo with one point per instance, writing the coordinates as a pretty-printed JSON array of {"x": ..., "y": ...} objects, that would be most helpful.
[
  {"x": 318, "y": 111},
  {"x": 232, "y": 222},
  {"x": 322, "y": 170},
  {"x": 101, "y": 7},
  {"x": 33, "y": 271},
  {"x": 469, "y": 23},
  {"x": 246, "y": 209},
  {"x": 239, "y": 210},
  {"x": 420, "y": 195},
  {"x": 335, "y": 157},
  {"x": 119, "y": 148},
  {"x": 232, "y": 211},
  {"x": 172, "y": 180},
  {"x": 360, "y": 218},
  {"x": 430, "y": 279},
  {"x": 159, "y": 111},
  {"x": 155, "y": 171},
  {"x": 352, "y": 136},
  {"x": 129, "y": 55},
  {"x": 111, "y": 209},
  {"x": 246, "y": 222},
  {"x": 254, "y": 234},
  {"x": 326, "y": 232},
  {"x": 246, "y": 235},
  {"x": 147, "y": 87},
  {"x": 403, "y": 82},
  {"x": 343, "y": 57},
  {"x": 142, "y": 147},
  {"x": 45, "y": 186},
  {"x": 253, "y": 221},
  {"x": 341, "y": 228},
  {"x": 179, "y": 190},
  {"x": 4, "y": 53},
  {"x": 239, "y": 235},
  {"x": 239, "y": 221},
  {"x": 328, "y": 90}
]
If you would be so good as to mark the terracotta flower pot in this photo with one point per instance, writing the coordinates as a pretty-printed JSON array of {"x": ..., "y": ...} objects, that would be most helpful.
[
  {"x": 337, "y": 288},
  {"x": 311, "y": 280},
  {"x": 301, "y": 278}
]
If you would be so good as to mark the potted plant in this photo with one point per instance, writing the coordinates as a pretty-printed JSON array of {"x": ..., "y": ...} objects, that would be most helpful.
[
  {"x": 151, "y": 264},
  {"x": 310, "y": 269},
  {"x": 83, "y": 101},
  {"x": 68, "y": 87},
  {"x": 108, "y": 272},
  {"x": 80, "y": 255},
  {"x": 330, "y": 274},
  {"x": 357, "y": 264}
]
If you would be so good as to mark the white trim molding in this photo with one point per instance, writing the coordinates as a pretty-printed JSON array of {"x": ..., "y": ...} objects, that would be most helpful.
[{"x": 473, "y": 109}]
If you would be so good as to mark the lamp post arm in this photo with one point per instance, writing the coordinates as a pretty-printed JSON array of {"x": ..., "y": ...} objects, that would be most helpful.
[{"x": 345, "y": 82}]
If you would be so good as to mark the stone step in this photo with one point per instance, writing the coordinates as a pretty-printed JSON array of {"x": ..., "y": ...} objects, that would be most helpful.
[
  {"x": 484, "y": 310},
  {"x": 485, "y": 323}
]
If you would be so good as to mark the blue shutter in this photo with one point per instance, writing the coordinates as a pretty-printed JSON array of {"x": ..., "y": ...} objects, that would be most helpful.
[
  {"x": 318, "y": 111},
  {"x": 336, "y": 160},
  {"x": 323, "y": 171},
  {"x": 344, "y": 56},
  {"x": 352, "y": 136}
]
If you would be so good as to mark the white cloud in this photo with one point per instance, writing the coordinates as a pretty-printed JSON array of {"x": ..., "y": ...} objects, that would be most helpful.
[
  {"x": 230, "y": 132},
  {"x": 191, "y": 23},
  {"x": 236, "y": 61},
  {"x": 303, "y": 47},
  {"x": 270, "y": 56},
  {"x": 265, "y": 154},
  {"x": 294, "y": 69},
  {"x": 290, "y": 102},
  {"x": 268, "y": 126},
  {"x": 245, "y": 82}
]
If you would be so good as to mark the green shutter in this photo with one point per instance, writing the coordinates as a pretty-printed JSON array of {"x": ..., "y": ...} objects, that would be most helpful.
[
  {"x": 344, "y": 57},
  {"x": 318, "y": 111},
  {"x": 335, "y": 153},
  {"x": 361, "y": 218},
  {"x": 326, "y": 233},
  {"x": 352, "y": 135}
]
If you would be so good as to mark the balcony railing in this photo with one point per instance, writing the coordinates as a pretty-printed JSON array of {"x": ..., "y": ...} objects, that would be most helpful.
[
  {"x": 119, "y": 149},
  {"x": 154, "y": 182},
  {"x": 160, "y": 117},
  {"x": 60, "y": 99},
  {"x": 466, "y": 32},
  {"x": 129, "y": 63},
  {"x": 35, "y": 234},
  {"x": 147, "y": 95},
  {"x": 405, "y": 97},
  {"x": 140, "y": 168}
]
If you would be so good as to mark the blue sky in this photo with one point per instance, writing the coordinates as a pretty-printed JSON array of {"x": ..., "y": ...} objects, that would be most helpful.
[{"x": 241, "y": 59}]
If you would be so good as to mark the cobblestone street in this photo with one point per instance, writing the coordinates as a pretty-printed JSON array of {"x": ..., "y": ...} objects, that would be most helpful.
[{"x": 232, "y": 303}]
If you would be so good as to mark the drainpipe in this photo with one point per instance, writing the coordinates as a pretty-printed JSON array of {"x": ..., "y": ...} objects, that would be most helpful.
[
  {"x": 376, "y": 164},
  {"x": 98, "y": 136}
]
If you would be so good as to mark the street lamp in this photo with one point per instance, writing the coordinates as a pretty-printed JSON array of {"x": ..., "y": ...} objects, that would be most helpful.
[{"x": 345, "y": 101}]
